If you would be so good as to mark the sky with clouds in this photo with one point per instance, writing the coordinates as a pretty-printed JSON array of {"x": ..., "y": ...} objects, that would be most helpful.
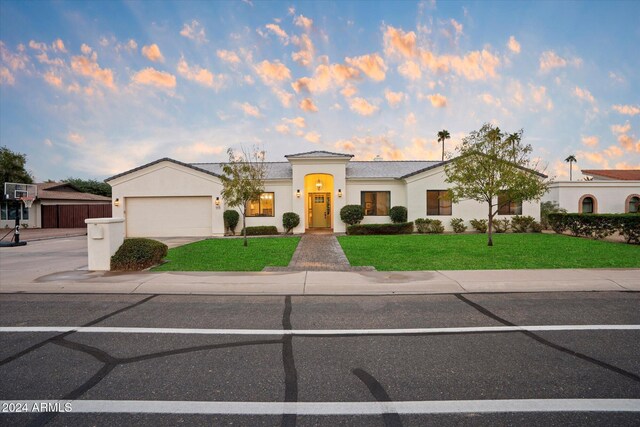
[{"x": 91, "y": 89}]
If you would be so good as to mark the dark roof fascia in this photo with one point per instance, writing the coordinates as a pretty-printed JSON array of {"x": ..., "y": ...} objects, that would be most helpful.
[
  {"x": 297, "y": 155},
  {"x": 450, "y": 160},
  {"x": 425, "y": 169},
  {"x": 164, "y": 159}
]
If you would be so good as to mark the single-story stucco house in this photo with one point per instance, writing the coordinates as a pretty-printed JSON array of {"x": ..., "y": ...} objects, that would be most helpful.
[
  {"x": 608, "y": 191},
  {"x": 57, "y": 205},
  {"x": 169, "y": 198}
]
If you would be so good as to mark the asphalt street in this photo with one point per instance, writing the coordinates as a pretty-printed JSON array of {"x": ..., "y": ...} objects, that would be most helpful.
[{"x": 408, "y": 355}]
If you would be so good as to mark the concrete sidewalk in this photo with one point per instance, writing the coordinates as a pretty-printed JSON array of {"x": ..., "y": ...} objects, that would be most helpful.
[{"x": 328, "y": 282}]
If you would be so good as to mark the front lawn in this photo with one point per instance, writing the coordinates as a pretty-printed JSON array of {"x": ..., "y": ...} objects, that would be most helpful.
[
  {"x": 470, "y": 252},
  {"x": 230, "y": 255}
]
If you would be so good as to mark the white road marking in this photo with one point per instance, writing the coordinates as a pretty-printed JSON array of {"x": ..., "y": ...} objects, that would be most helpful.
[
  {"x": 462, "y": 330},
  {"x": 340, "y": 408}
]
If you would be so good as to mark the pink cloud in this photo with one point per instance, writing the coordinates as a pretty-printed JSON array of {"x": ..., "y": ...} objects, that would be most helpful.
[
  {"x": 89, "y": 68},
  {"x": 410, "y": 70},
  {"x": 200, "y": 75},
  {"x": 304, "y": 22},
  {"x": 437, "y": 100},
  {"x": 550, "y": 60},
  {"x": 228, "y": 56},
  {"x": 312, "y": 137},
  {"x": 250, "y": 110},
  {"x": 53, "y": 79},
  {"x": 362, "y": 106},
  {"x": 372, "y": 65},
  {"x": 272, "y": 72},
  {"x": 282, "y": 34},
  {"x": 397, "y": 42},
  {"x": 629, "y": 110},
  {"x": 590, "y": 141},
  {"x": 394, "y": 98},
  {"x": 513, "y": 45},
  {"x": 194, "y": 31},
  {"x": 305, "y": 55},
  {"x": 584, "y": 94},
  {"x": 152, "y": 77},
  {"x": 152, "y": 53},
  {"x": 308, "y": 105},
  {"x": 617, "y": 129},
  {"x": 283, "y": 96}
]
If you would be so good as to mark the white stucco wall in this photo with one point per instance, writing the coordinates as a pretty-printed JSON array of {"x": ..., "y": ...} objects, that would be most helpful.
[
  {"x": 166, "y": 179},
  {"x": 610, "y": 195},
  {"x": 418, "y": 185}
]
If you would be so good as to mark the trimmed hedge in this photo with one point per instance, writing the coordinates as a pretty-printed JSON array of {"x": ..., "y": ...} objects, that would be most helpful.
[
  {"x": 597, "y": 226},
  {"x": 429, "y": 226},
  {"x": 398, "y": 214},
  {"x": 290, "y": 220},
  {"x": 352, "y": 214},
  {"x": 231, "y": 219},
  {"x": 261, "y": 230},
  {"x": 458, "y": 225},
  {"x": 370, "y": 229},
  {"x": 137, "y": 254},
  {"x": 501, "y": 225},
  {"x": 480, "y": 225}
]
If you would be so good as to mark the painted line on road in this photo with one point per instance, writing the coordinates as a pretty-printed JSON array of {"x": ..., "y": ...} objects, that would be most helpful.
[
  {"x": 425, "y": 331},
  {"x": 330, "y": 408}
]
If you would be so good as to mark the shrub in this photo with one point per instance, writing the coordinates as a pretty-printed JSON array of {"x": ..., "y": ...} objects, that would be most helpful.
[
  {"x": 522, "y": 224},
  {"x": 547, "y": 208},
  {"x": 398, "y": 214},
  {"x": 352, "y": 214},
  {"x": 536, "y": 227},
  {"x": 429, "y": 226},
  {"x": 480, "y": 225},
  {"x": 598, "y": 226},
  {"x": 458, "y": 225},
  {"x": 370, "y": 229},
  {"x": 261, "y": 230},
  {"x": 137, "y": 254},
  {"x": 231, "y": 219},
  {"x": 290, "y": 220}
]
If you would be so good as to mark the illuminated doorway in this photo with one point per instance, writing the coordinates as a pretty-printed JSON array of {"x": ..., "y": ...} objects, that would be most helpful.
[{"x": 319, "y": 206}]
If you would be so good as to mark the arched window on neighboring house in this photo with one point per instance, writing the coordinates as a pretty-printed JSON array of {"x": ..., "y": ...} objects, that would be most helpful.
[
  {"x": 632, "y": 205},
  {"x": 588, "y": 204}
]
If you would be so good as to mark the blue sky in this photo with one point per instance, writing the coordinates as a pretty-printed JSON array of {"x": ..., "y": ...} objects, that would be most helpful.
[{"x": 95, "y": 88}]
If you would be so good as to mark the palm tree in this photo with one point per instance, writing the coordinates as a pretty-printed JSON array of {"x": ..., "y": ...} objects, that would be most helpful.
[
  {"x": 570, "y": 160},
  {"x": 442, "y": 135}
]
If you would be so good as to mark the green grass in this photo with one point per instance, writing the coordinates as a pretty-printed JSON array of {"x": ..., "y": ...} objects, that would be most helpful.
[
  {"x": 470, "y": 252},
  {"x": 230, "y": 255}
]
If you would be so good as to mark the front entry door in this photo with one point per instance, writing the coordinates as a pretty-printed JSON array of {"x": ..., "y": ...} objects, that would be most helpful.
[{"x": 320, "y": 210}]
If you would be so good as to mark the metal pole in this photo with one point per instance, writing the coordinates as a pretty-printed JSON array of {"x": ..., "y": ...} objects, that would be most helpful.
[{"x": 16, "y": 234}]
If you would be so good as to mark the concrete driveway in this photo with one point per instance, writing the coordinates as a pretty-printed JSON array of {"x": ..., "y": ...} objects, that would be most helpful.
[{"x": 24, "y": 264}]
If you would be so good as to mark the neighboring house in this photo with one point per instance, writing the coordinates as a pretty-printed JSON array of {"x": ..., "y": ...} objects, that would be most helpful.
[
  {"x": 57, "y": 205},
  {"x": 170, "y": 198},
  {"x": 608, "y": 191}
]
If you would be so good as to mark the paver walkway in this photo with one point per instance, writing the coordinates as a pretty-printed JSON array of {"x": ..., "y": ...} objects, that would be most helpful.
[{"x": 319, "y": 252}]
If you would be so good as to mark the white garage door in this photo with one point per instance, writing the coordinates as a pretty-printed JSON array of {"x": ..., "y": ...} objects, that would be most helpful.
[{"x": 168, "y": 216}]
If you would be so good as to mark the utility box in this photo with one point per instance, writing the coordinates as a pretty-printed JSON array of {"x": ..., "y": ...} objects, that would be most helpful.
[{"x": 104, "y": 237}]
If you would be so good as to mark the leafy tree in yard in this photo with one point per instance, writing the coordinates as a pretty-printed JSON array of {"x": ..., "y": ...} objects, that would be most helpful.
[
  {"x": 490, "y": 163},
  {"x": 243, "y": 181},
  {"x": 12, "y": 167},
  {"x": 90, "y": 186}
]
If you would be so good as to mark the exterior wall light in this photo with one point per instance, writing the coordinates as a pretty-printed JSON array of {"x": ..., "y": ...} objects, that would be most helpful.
[
  {"x": 339, "y": 192},
  {"x": 298, "y": 193},
  {"x": 217, "y": 202},
  {"x": 318, "y": 185},
  {"x": 116, "y": 202}
]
